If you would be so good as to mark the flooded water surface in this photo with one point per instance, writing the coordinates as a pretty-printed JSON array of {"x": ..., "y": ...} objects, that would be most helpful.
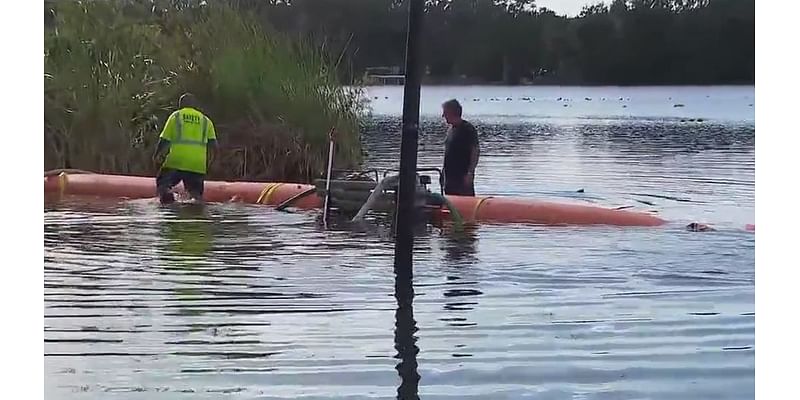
[{"x": 241, "y": 301}]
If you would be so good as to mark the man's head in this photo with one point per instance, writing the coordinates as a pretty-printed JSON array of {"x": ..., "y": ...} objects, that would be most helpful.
[
  {"x": 451, "y": 111},
  {"x": 187, "y": 100}
]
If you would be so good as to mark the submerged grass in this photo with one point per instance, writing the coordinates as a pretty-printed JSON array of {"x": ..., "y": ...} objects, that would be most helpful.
[{"x": 114, "y": 71}]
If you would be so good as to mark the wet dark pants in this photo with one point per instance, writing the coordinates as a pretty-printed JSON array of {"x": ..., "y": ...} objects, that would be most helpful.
[{"x": 193, "y": 182}]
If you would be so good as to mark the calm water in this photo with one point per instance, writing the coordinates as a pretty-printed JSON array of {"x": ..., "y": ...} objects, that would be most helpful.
[{"x": 238, "y": 301}]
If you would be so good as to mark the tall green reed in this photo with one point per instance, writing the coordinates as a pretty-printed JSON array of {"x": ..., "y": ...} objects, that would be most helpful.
[{"x": 113, "y": 72}]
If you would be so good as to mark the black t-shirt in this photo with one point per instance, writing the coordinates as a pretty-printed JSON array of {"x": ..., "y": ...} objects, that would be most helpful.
[{"x": 458, "y": 150}]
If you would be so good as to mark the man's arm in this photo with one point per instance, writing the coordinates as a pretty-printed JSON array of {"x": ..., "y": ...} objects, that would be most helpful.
[
  {"x": 164, "y": 139},
  {"x": 161, "y": 149},
  {"x": 474, "y": 156},
  {"x": 475, "y": 152},
  {"x": 213, "y": 149},
  {"x": 213, "y": 146}
]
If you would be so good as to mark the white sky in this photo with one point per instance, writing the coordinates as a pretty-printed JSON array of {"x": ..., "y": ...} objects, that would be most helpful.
[{"x": 568, "y": 7}]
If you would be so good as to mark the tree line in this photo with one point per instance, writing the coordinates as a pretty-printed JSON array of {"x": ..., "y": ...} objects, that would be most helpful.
[{"x": 623, "y": 42}]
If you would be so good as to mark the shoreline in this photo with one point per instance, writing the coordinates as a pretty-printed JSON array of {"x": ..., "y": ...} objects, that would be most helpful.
[{"x": 497, "y": 84}]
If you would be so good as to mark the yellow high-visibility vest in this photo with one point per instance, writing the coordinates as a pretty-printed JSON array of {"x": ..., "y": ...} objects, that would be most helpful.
[{"x": 188, "y": 132}]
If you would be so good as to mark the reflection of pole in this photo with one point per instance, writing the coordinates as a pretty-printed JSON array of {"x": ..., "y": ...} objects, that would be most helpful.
[{"x": 404, "y": 340}]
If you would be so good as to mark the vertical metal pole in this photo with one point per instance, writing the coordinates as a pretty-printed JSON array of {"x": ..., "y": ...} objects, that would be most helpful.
[
  {"x": 328, "y": 180},
  {"x": 404, "y": 237}
]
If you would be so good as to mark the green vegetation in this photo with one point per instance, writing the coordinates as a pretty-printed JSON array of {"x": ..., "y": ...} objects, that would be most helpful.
[
  {"x": 623, "y": 42},
  {"x": 114, "y": 71}
]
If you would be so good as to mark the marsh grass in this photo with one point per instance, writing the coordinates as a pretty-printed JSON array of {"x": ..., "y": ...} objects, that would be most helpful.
[{"x": 114, "y": 71}]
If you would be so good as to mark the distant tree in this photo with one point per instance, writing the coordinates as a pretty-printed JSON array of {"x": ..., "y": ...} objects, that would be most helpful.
[{"x": 616, "y": 42}]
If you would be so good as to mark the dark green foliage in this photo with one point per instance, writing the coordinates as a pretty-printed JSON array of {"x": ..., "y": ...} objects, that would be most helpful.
[
  {"x": 114, "y": 71},
  {"x": 618, "y": 42}
]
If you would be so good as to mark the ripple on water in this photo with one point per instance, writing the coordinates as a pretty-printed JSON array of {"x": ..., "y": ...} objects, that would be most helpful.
[{"x": 235, "y": 300}]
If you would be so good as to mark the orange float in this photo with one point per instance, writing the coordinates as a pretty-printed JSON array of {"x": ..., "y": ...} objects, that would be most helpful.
[
  {"x": 472, "y": 209},
  {"x": 140, "y": 187},
  {"x": 522, "y": 210}
]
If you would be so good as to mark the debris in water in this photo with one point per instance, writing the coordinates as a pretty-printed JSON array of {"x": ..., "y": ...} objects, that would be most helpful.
[{"x": 698, "y": 227}]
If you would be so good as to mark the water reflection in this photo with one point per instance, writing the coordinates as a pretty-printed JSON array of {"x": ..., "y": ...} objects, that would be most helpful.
[
  {"x": 460, "y": 245},
  {"x": 186, "y": 243},
  {"x": 405, "y": 339},
  {"x": 461, "y": 287},
  {"x": 187, "y": 235}
]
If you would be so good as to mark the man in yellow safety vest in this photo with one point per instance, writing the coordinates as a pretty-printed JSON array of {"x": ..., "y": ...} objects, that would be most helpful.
[{"x": 182, "y": 151}]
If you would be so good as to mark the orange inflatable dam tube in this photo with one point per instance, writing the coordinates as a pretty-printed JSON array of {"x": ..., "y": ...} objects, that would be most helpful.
[
  {"x": 472, "y": 209},
  {"x": 139, "y": 187},
  {"x": 518, "y": 210}
]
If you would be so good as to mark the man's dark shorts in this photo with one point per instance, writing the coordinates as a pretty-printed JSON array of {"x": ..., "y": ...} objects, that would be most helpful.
[
  {"x": 193, "y": 182},
  {"x": 459, "y": 188}
]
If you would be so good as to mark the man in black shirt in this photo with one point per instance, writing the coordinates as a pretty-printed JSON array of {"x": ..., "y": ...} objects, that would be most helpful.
[{"x": 461, "y": 152}]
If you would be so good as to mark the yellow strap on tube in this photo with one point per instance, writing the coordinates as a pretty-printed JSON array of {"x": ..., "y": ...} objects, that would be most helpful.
[
  {"x": 264, "y": 193},
  {"x": 478, "y": 206},
  {"x": 270, "y": 192},
  {"x": 267, "y": 193}
]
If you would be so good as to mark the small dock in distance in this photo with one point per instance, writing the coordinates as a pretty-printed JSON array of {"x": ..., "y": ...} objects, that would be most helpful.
[{"x": 384, "y": 76}]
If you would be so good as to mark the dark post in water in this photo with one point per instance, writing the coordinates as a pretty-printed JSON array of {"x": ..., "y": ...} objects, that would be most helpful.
[
  {"x": 405, "y": 215},
  {"x": 404, "y": 239}
]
